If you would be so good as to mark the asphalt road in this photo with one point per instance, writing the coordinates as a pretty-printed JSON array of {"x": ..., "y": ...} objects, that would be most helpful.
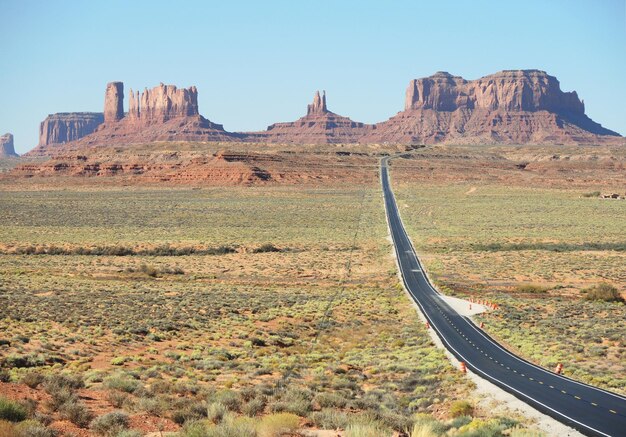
[{"x": 590, "y": 410}]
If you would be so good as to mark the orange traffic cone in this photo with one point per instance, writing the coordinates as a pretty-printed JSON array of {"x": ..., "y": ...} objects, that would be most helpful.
[
  {"x": 462, "y": 367},
  {"x": 427, "y": 325},
  {"x": 482, "y": 325},
  {"x": 559, "y": 369}
]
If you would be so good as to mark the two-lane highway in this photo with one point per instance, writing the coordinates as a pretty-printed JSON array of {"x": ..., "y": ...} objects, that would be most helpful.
[{"x": 591, "y": 410}]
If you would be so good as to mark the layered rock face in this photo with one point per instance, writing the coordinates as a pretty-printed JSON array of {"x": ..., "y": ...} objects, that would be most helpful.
[
  {"x": 510, "y": 107},
  {"x": 163, "y": 103},
  {"x": 114, "y": 102},
  {"x": 513, "y": 90},
  {"x": 319, "y": 126},
  {"x": 67, "y": 126},
  {"x": 7, "y": 148}
]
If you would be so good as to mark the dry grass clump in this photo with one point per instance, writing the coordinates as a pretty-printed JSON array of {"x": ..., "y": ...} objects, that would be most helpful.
[{"x": 603, "y": 292}]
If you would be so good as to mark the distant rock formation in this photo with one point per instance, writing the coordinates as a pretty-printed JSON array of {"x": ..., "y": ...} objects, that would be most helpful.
[
  {"x": 7, "y": 148},
  {"x": 163, "y": 103},
  {"x": 318, "y": 106},
  {"x": 163, "y": 113},
  {"x": 509, "y": 107},
  {"x": 64, "y": 127},
  {"x": 511, "y": 90},
  {"x": 319, "y": 126},
  {"x": 114, "y": 102}
]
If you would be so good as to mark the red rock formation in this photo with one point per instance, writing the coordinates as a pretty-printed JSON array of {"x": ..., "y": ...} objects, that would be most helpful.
[
  {"x": 114, "y": 102},
  {"x": 7, "y": 149},
  {"x": 510, "y": 107},
  {"x": 164, "y": 102},
  {"x": 319, "y": 126},
  {"x": 133, "y": 106},
  {"x": 318, "y": 106},
  {"x": 511, "y": 90},
  {"x": 164, "y": 113},
  {"x": 64, "y": 127}
]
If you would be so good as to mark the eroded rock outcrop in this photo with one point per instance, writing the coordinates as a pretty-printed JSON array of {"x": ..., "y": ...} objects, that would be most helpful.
[
  {"x": 7, "y": 148},
  {"x": 318, "y": 106},
  {"x": 319, "y": 126},
  {"x": 114, "y": 102},
  {"x": 163, "y": 103},
  {"x": 509, "y": 107},
  {"x": 64, "y": 127},
  {"x": 163, "y": 113}
]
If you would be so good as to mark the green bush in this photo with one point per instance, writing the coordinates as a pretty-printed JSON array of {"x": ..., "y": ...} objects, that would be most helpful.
[
  {"x": 530, "y": 289},
  {"x": 216, "y": 412},
  {"x": 461, "y": 408},
  {"x": 603, "y": 292},
  {"x": 372, "y": 429},
  {"x": 329, "y": 418},
  {"x": 76, "y": 412},
  {"x": 326, "y": 400},
  {"x": 592, "y": 194},
  {"x": 268, "y": 247},
  {"x": 110, "y": 424},
  {"x": 33, "y": 379},
  {"x": 190, "y": 412},
  {"x": 32, "y": 428},
  {"x": 254, "y": 407},
  {"x": 12, "y": 411},
  {"x": 228, "y": 398},
  {"x": 122, "y": 382},
  {"x": 59, "y": 381},
  {"x": 129, "y": 433},
  {"x": 275, "y": 425}
]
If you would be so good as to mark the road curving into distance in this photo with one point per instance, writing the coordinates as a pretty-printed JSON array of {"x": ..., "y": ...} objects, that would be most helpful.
[{"x": 589, "y": 409}]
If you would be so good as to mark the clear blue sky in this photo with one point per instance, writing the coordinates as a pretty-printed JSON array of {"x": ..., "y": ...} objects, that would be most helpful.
[{"x": 259, "y": 62}]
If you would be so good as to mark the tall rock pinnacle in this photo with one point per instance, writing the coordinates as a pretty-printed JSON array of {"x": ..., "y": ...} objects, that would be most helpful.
[
  {"x": 319, "y": 104},
  {"x": 114, "y": 102},
  {"x": 6, "y": 145}
]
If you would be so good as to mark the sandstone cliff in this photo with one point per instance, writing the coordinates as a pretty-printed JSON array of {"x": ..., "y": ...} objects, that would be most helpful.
[
  {"x": 319, "y": 126},
  {"x": 511, "y": 90},
  {"x": 163, "y": 103},
  {"x": 510, "y": 107},
  {"x": 67, "y": 126},
  {"x": 7, "y": 148}
]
